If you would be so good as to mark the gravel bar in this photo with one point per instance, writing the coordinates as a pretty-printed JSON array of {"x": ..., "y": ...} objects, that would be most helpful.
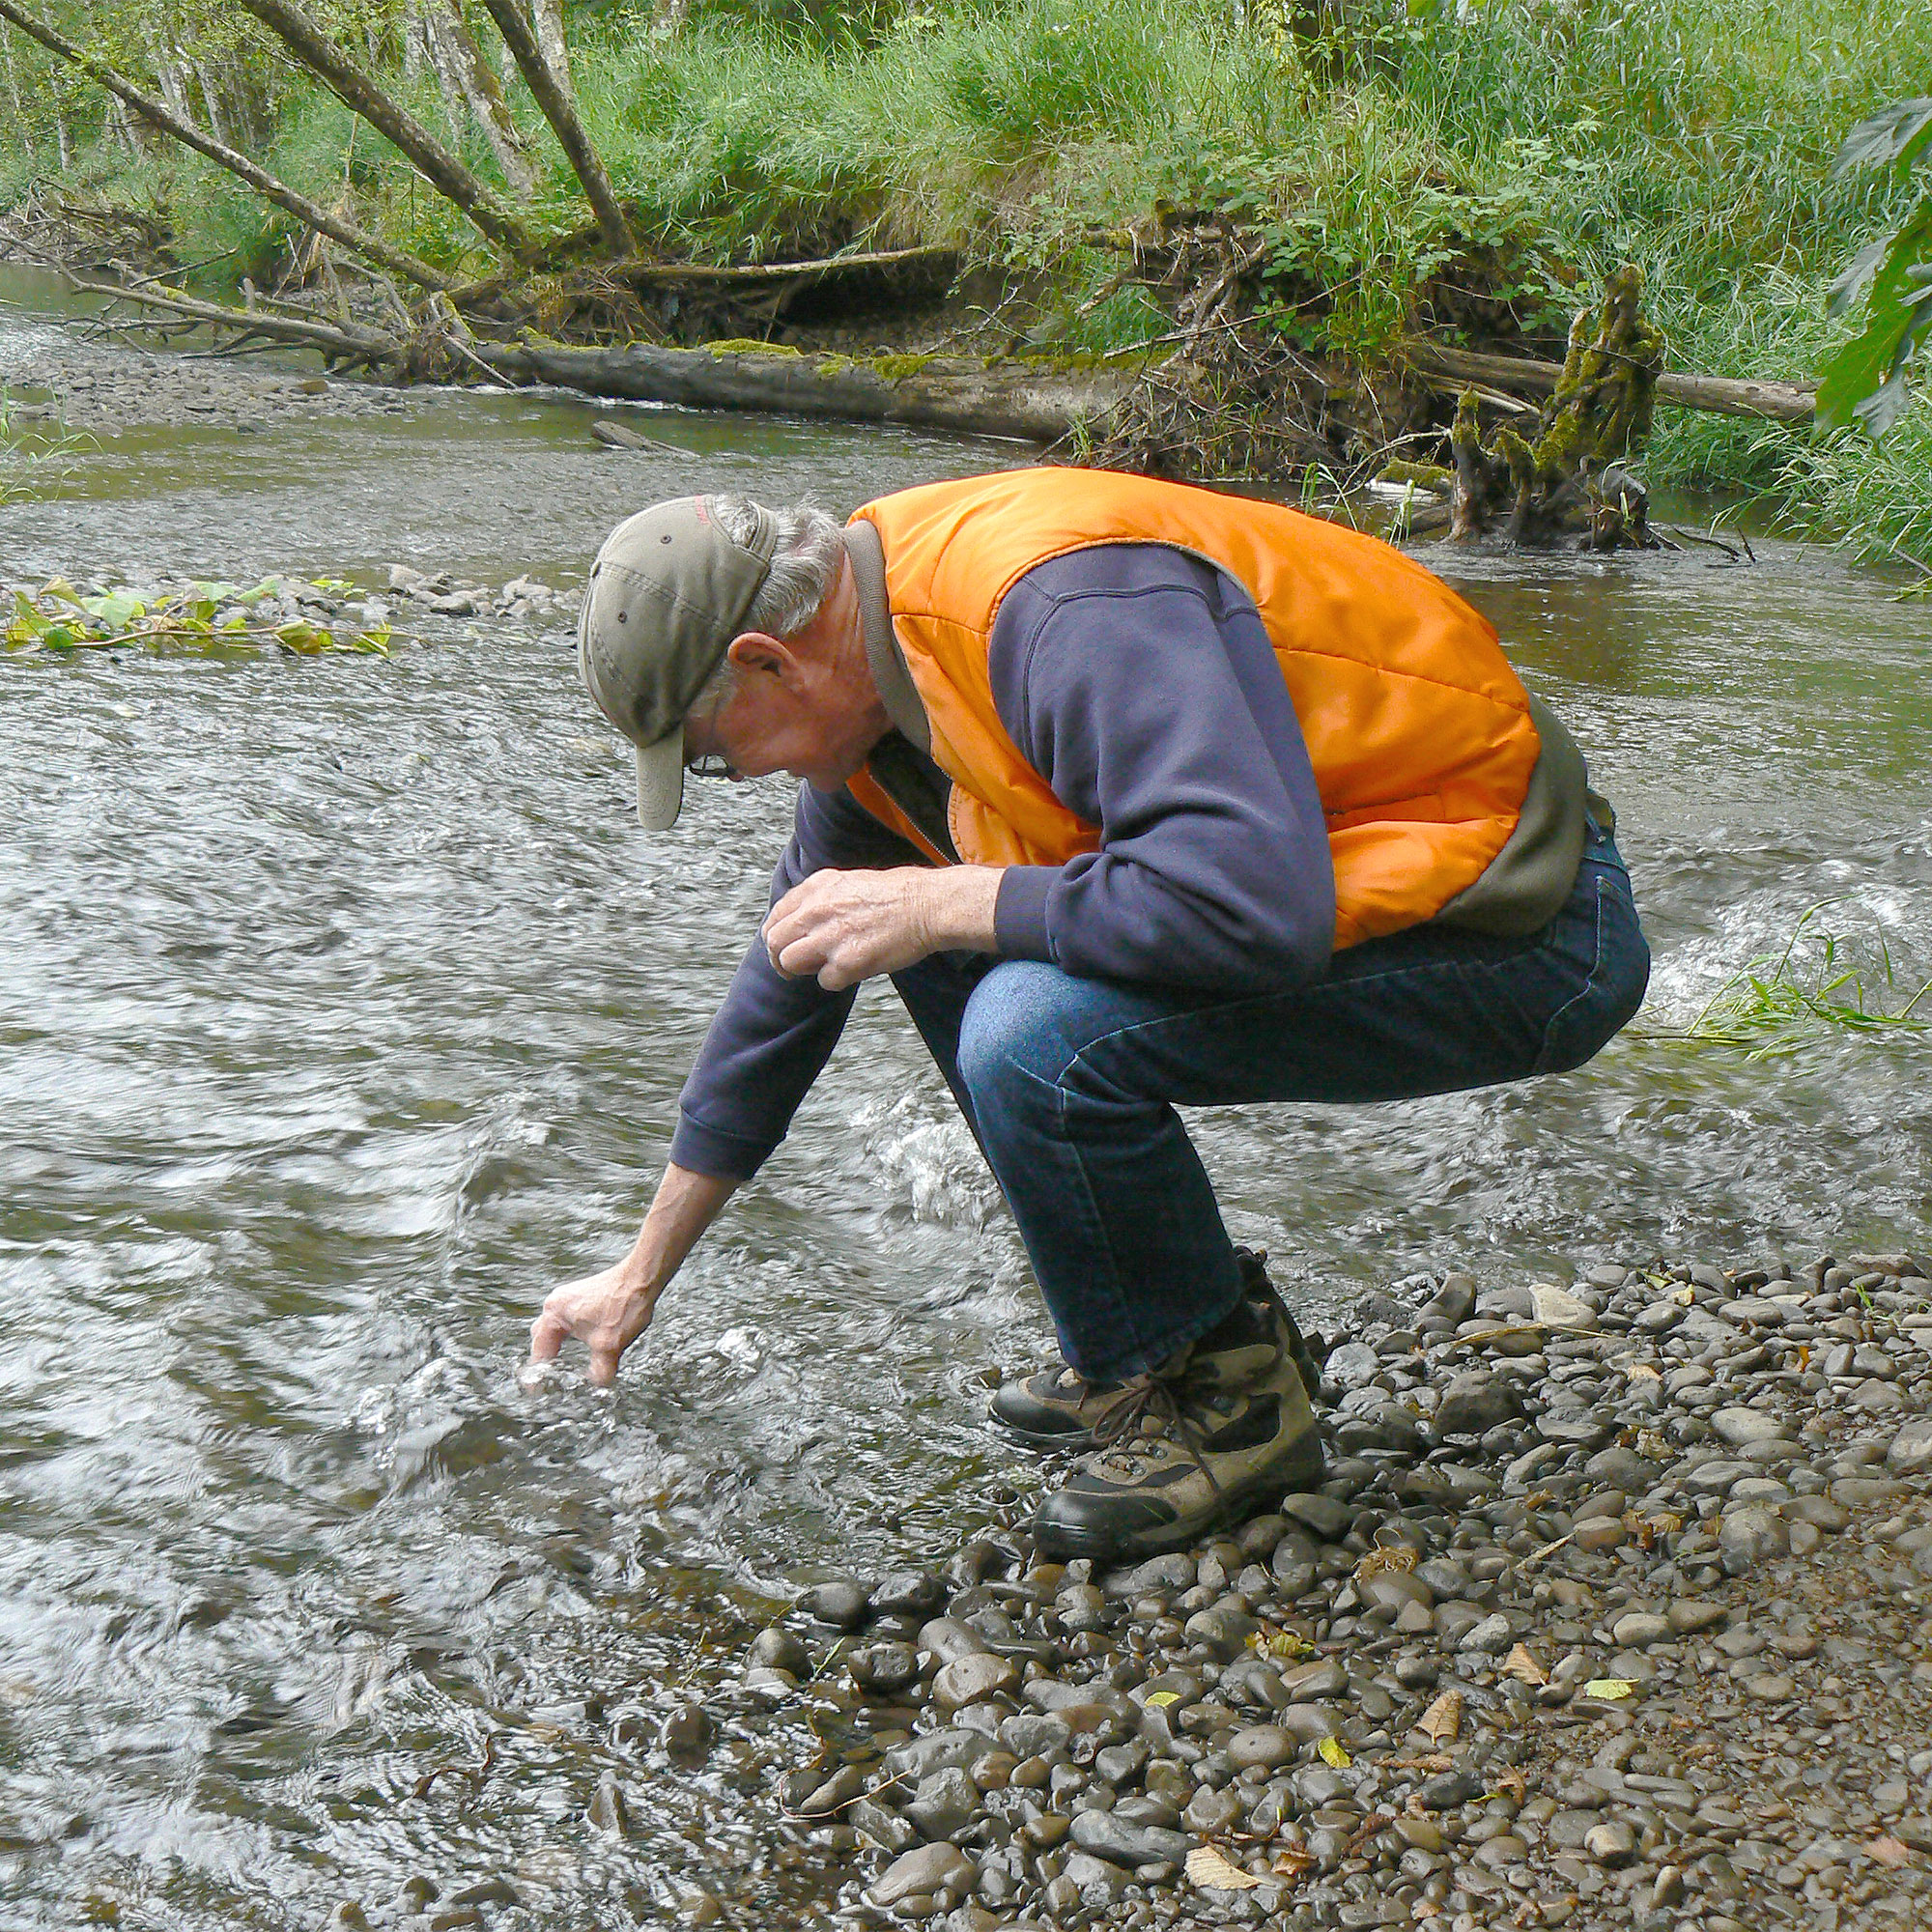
[{"x": 1612, "y": 1613}]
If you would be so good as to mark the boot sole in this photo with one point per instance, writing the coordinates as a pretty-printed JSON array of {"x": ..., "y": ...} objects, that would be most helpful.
[
  {"x": 1040, "y": 1439},
  {"x": 1236, "y": 1504}
]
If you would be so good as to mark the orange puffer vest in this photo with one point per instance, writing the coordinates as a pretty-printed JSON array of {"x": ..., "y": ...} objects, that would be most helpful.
[{"x": 1419, "y": 732}]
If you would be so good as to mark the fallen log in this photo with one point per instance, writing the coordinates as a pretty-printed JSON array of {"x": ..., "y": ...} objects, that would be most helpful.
[
  {"x": 345, "y": 341},
  {"x": 1439, "y": 364},
  {"x": 957, "y": 393}
]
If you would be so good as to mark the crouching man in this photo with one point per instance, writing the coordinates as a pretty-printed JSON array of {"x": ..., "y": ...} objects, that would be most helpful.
[{"x": 1143, "y": 796}]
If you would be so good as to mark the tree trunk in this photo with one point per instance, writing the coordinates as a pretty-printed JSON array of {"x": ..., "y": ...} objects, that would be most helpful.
[
  {"x": 217, "y": 119},
  {"x": 560, "y": 111},
  {"x": 12, "y": 80},
  {"x": 259, "y": 179},
  {"x": 461, "y": 64},
  {"x": 546, "y": 16},
  {"x": 315, "y": 51},
  {"x": 1722, "y": 395}
]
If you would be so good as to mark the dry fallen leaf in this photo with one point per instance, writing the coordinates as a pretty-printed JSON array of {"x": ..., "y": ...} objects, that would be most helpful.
[
  {"x": 1889, "y": 1851},
  {"x": 1332, "y": 1753},
  {"x": 1292, "y": 1865},
  {"x": 1442, "y": 1722},
  {"x": 1643, "y": 1371},
  {"x": 1214, "y": 1872},
  {"x": 1160, "y": 1697},
  {"x": 1523, "y": 1667},
  {"x": 1685, "y": 1296},
  {"x": 1611, "y": 1690},
  {"x": 1400, "y": 1558}
]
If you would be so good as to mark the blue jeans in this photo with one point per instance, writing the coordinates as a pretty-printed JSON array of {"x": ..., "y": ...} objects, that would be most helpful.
[{"x": 1069, "y": 1087}]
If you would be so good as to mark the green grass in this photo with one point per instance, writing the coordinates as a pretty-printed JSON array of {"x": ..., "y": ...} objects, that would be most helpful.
[
  {"x": 1480, "y": 174},
  {"x": 1818, "y": 987}
]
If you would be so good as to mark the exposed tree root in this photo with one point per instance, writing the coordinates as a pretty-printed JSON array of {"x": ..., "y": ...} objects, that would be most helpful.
[{"x": 1566, "y": 473}]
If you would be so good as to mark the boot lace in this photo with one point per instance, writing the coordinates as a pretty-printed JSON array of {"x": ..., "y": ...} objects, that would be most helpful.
[{"x": 1142, "y": 1398}]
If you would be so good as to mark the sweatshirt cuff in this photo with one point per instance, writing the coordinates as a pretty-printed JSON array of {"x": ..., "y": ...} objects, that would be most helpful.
[
  {"x": 1019, "y": 912},
  {"x": 716, "y": 1151}
]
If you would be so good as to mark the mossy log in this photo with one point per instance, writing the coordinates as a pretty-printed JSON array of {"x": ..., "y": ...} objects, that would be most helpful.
[
  {"x": 1032, "y": 401},
  {"x": 1567, "y": 474}
]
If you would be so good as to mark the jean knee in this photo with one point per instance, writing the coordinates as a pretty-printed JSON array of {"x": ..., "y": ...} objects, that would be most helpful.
[{"x": 1013, "y": 1028}]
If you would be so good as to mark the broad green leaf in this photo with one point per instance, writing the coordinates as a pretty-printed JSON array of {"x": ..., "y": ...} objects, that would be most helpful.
[
  {"x": 1898, "y": 315},
  {"x": 1333, "y": 1753},
  {"x": 1891, "y": 135}
]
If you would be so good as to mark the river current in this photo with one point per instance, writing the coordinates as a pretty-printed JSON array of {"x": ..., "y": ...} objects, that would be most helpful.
[{"x": 343, "y": 1011}]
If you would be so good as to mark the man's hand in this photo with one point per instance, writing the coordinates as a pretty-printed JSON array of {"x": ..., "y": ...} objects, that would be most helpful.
[
  {"x": 607, "y": 1312},
  {"x": 842, "y": 927}
]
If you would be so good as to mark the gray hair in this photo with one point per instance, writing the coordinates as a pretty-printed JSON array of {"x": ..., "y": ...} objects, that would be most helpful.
[{"x": 805, "y": 567}]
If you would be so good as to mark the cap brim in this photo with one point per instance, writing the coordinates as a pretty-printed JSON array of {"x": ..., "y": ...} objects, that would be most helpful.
[{"x": 661, "y": 781}]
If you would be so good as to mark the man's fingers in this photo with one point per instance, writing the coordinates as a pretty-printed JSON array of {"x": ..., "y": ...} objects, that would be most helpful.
[
  {"x": 603, "y": 1370},
  {"x": 547, "y": 1337}
]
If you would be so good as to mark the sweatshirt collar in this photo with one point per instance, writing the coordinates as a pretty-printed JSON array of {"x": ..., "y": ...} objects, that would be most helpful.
[{"x": 897, "y": 691}]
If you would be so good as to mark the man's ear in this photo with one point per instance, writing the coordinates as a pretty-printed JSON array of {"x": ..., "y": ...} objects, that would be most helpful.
[{"x": 758, "y": 651}]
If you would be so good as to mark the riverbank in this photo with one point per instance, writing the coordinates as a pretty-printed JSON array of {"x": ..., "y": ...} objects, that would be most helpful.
[
  {"x": 1095, "y": 180},
  {"x": 1612, "y": 1613}
]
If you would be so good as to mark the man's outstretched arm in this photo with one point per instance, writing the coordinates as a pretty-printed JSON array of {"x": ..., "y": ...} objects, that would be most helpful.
[{"x": 609, "y": 1311}]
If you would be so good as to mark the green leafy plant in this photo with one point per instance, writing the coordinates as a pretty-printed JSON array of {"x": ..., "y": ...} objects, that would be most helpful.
[
  {"x": 1867, "y": 379},
  {"x": 204, "y": 617},
  {"x": 1775, "y": 1002}
]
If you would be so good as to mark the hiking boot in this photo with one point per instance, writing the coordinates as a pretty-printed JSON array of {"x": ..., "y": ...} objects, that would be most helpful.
[
  {"x": 1056, "y": 1409},
  {"x": 1259, "y": 1290},
  {"x": 1215, "y": 1435}
]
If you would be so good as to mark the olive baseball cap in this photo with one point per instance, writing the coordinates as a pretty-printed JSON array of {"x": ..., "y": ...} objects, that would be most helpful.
[{"x": 668, "y": 593}]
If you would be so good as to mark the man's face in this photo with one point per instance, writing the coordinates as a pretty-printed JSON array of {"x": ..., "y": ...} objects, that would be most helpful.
[{"x": 804, "y": 705}]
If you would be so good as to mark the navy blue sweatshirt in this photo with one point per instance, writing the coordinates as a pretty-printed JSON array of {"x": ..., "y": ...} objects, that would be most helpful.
[{"x": 1138, "y": 683}]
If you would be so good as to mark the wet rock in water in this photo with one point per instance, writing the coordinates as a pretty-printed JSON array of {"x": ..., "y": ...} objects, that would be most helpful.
[
  {"x": 687, "y": 1733},
  {"x": 884, "y": 1667},
  {"x": 842, "y": 1604},
  {"x": 780, "y": 1649},
  {"x": 608, "y": 1811},
  {"x": 909, "y": 1593}
]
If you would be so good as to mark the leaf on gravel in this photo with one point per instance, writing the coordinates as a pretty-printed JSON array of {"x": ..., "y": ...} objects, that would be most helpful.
[
  {"x": 1160, "y": 1698},
  {"x": 1611, "y": 1690},
  {"x": 1292, "y": 1865},
  {"x": 1332, "y": 1753},
  {"x": 1889, "y": 1851},
  {"x": 1442, "y": 1722},
  {"x": 1523, "y": 1667},
  {"x": 1685, "y": 1294},
  {"x": 1214, "y": 1872}
]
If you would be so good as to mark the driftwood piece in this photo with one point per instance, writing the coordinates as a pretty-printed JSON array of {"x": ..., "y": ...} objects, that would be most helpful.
[
  {"x": 326, "y": 222},
  {"x": 1721, "y": 395},
  {"x": 344, "y": 341},
  {"x": 929, "y": 392},
  {"x": 1565, "y": 472}
]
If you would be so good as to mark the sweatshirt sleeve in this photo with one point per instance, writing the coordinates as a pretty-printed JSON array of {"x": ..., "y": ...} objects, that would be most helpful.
[
  {"x": 772, "y": 1036},
  {"x": 1138, "y": 681}
]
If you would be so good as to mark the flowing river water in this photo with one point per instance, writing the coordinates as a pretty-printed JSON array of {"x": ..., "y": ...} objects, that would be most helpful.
[{"x": 344, "y": 1011}]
